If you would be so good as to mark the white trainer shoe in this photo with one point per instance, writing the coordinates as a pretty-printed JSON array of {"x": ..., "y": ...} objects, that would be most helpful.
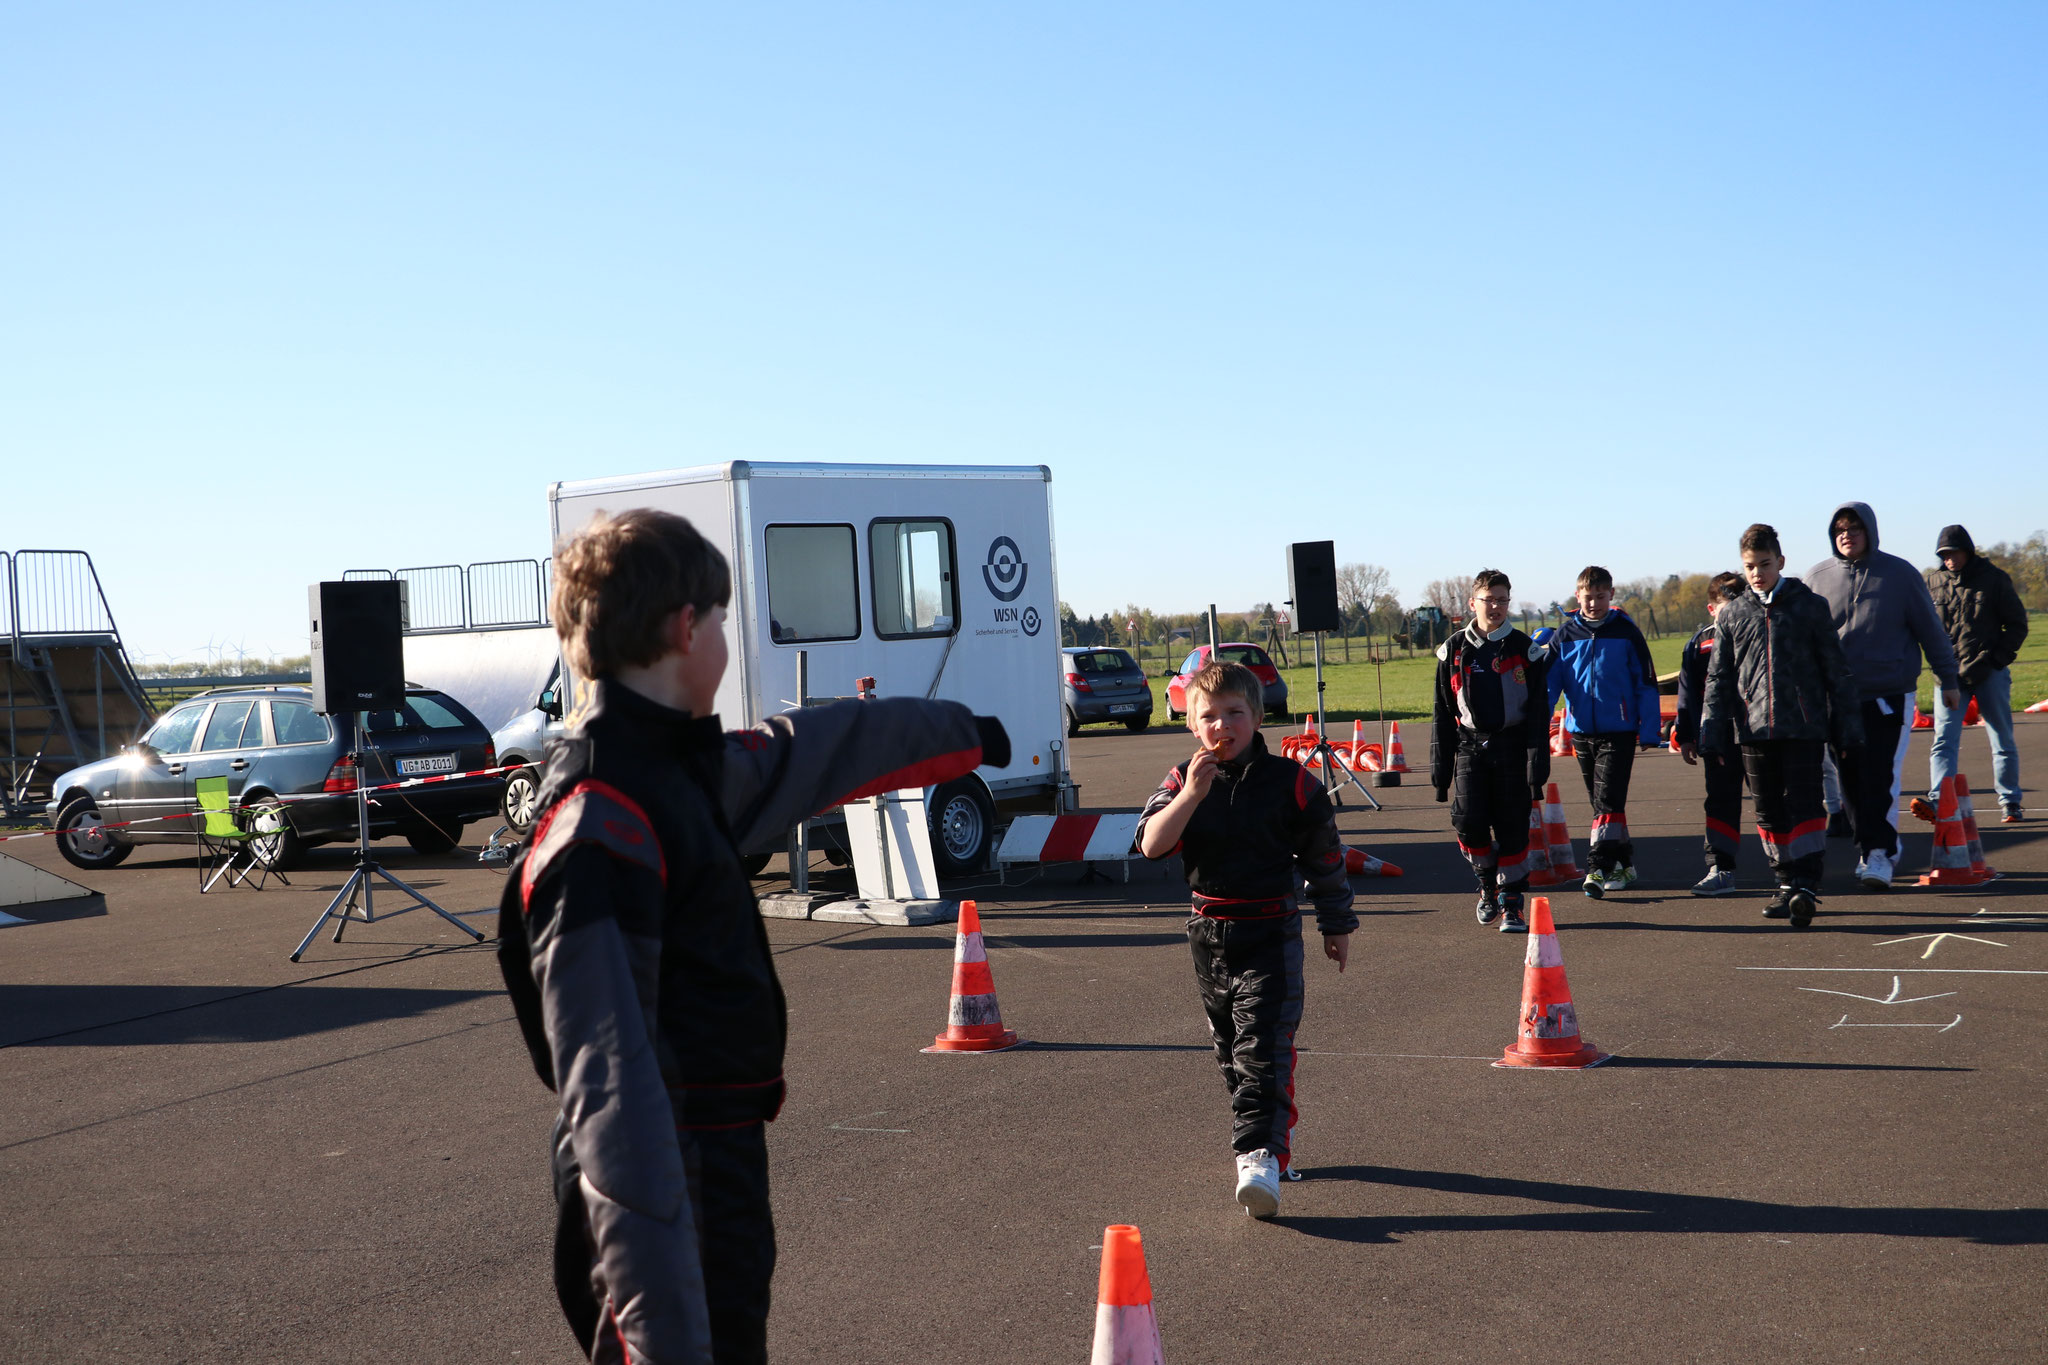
[
  {"x": 1258, "y": 1183},
  {"x": 1877, "y": 871},
  {"x": 1719, "y": 881}
]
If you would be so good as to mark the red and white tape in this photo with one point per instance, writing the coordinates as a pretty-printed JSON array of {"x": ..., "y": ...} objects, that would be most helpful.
[{"x": 284, "y": 800}]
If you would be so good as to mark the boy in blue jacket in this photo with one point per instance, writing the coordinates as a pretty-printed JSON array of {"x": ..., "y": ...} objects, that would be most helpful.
[{"x": 1602, "y": 668}]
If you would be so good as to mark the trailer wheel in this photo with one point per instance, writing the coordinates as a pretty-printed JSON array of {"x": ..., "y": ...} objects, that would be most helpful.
[
  {"x": 963, "y": 825},
  {"x": 754, "y": 864}
]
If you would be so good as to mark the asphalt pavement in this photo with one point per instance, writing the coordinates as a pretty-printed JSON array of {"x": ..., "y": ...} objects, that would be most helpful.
[{"x": 1809, "y": 1146}]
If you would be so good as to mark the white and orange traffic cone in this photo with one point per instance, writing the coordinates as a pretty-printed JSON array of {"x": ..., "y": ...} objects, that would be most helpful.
[
  {"x": 1357, "y": 755},
  {"x": 1557, "y": 837},
  {"x": 1561, "y": 745},
  {"x": 1950, "y": 863},
  {"x": 1397, "y": 762},
  {"x": 1548, "y": 1034},
  {"x": 1539, "y": 848},
  {"x": 974, "y": 1022},
  {"x": 1126, "y": 1328},
  {"x": 1359, "y": 863},
  {"x": 1974, "y": 841}
]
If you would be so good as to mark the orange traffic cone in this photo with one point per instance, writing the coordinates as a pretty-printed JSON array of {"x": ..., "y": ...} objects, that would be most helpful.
[
  {"x": 1557, "y": 836},
  {"x": 1357, "y": 754},
  {"x": 1359, "y": 863},
  {"x": 1126, "y": 1329},
  {"x": 1950, "y": 865},
  {"x": 2037, "y": 707},
  {"x": 974, "y": 1022},
  {"x": 1983, "y": 870},
  {"x": 1539, "y": 849},
  {"x": 1549, "y": 1031},
  {"x": 1397, "y": 762}
]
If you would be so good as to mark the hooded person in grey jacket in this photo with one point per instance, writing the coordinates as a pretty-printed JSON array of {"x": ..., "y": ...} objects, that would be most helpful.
[{"x": 1886, "y": 620}]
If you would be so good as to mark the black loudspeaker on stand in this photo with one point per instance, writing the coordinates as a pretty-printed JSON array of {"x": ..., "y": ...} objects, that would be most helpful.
[
  {"x": 1312, "y": 585},
  {"x": 358, "y": 633}
]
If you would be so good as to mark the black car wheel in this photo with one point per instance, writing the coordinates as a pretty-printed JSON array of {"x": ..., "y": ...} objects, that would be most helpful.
[
  {"x": 83, "y": 840},
  {"x": 273, "y": 842},
  {"x": 432, "y": 838},
  {"x": 1073, "y": 724},
  {"x": 1138, "y": 725},
  {"x": 521, "y": 800},
  {"x": 963, "y": 825}
]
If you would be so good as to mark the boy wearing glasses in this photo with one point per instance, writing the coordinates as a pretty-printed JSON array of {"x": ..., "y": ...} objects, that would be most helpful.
[{"x": 1491, "y": 740}]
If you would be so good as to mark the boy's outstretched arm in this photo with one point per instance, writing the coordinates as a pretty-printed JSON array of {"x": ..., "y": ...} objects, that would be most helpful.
[
  {"x": 803, "y": 762},
  {"x": 592, "y": 901},
  {"x": 1720, "y": 697},
  {"x": 1537, "y": 724}
]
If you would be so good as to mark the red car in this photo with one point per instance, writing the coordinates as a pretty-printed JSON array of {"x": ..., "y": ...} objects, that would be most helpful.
[{"x": 1251, "y": 656}]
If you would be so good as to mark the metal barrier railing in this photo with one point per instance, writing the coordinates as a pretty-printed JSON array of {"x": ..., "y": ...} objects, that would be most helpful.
[
  {"x": 489, "y": 595},
  {"x": 434, "y": 595},
  {"x": 505, "y": 592},
  {"x": 55, "y": 592}
]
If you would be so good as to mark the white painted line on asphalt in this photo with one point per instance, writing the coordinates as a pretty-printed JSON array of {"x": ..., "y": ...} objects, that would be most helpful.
[
  {"x": 1909, "y": 971},
  {"x": 1892, "y": 999},
  {"x": 1843, "y": 1022}
]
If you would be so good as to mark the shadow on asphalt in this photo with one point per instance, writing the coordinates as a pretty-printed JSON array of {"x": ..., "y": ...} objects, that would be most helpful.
[
  {"x": 1019, "y": 941},
  {"x": 1951, "y": 923},
  {"x": 55, "y": 912},
  {"x": 1655, "y": 1211},
  {"x": 144, "y": 1015},
  {"x": 1113, "y": 1047}
]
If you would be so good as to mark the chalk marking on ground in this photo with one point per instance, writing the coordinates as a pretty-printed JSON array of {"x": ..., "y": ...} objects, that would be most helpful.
[
  {"x": 1938, "y": 940},
  {"x": 848, "y": 1127},
  {"x": 1843, "y": 1022},
  {"x": 1892, "y": 999}
]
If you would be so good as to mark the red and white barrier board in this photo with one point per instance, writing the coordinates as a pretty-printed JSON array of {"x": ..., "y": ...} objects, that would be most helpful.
[{"x": 1070, "y": 839}]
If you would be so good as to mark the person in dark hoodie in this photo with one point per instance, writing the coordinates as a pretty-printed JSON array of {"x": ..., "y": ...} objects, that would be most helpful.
[
  {"x": 1886, "y": 620},
  {"x": 1986, "y": 622},
  {"x": 1602, "y": 669},
  {"x": 1723, "y": 774},
  {"x": 1778, "y": 691}
]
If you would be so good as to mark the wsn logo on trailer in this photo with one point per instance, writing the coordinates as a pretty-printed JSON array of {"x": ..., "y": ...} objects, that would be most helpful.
[{"x": 1004, "y": 573}]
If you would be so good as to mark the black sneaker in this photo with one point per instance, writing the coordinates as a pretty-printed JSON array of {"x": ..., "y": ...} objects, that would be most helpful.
[
  {"x": 1780, "y": 905},
  {"x": 1800, "y": 907},
  {"x": 1511, "y": 921},
  {"x": 1488, "y": 909}
]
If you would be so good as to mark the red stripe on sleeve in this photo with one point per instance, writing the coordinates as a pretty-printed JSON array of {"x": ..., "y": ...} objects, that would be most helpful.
[{"x": 929, "y": 773}]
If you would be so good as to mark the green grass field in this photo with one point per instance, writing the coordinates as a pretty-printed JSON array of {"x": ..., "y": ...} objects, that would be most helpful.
[{"x": 1353, "y": 691}]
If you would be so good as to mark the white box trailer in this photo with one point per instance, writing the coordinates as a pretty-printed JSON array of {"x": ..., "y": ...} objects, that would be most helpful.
[{"x": 934, "y": 580}]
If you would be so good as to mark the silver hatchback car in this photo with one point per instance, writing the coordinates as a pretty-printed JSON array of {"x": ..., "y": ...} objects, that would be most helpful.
[{"x": 1104, "y": 685}]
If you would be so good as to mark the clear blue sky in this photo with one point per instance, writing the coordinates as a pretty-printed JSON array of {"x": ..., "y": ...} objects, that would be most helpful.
[{"x": 286, "y": 290}]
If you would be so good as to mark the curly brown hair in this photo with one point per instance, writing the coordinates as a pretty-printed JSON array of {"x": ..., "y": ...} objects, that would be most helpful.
[{"x": 619, "y": 580}]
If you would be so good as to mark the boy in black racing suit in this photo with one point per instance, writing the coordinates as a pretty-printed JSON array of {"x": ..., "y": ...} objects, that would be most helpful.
[
  {"x": 1723, "y": 774},
  {"x": 635, "y": 955},
  {"x": 1491, "y": 738},
  {"x": 1244, "y": 821}
]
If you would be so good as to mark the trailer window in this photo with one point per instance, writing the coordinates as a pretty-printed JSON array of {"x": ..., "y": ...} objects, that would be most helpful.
[
  {"x": 913, "y": 568},
  {"x": 813, "y": 584}
]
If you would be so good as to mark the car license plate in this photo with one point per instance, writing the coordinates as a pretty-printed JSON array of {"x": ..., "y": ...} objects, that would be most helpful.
[
  {"x": 1122, "y": 708},
  {"x": 431, "y": 763}
]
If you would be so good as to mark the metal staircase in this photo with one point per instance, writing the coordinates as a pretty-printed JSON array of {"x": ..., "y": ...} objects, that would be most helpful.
[{"x": 70, "y": 694}]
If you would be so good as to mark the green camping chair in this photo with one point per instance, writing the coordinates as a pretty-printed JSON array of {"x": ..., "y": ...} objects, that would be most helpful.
[{"x": 223, "y": 844}]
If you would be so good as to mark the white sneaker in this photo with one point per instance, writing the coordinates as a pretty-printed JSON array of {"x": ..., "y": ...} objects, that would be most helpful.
[
  {"x": 1860, "y": 866},
  {"x": 1258, "y": 1183},
  {"x": 1719, "y": 881},
  {"x": 1877, "y": 872}
]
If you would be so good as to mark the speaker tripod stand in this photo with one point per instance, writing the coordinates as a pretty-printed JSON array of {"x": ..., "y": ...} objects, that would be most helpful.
[
  {"x": 367, "y": 872},
  {"x": 1322, "y": 752}
]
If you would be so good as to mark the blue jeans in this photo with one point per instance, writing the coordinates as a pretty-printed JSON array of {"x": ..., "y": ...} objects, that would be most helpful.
[{"x": 1994, "y": 707}]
